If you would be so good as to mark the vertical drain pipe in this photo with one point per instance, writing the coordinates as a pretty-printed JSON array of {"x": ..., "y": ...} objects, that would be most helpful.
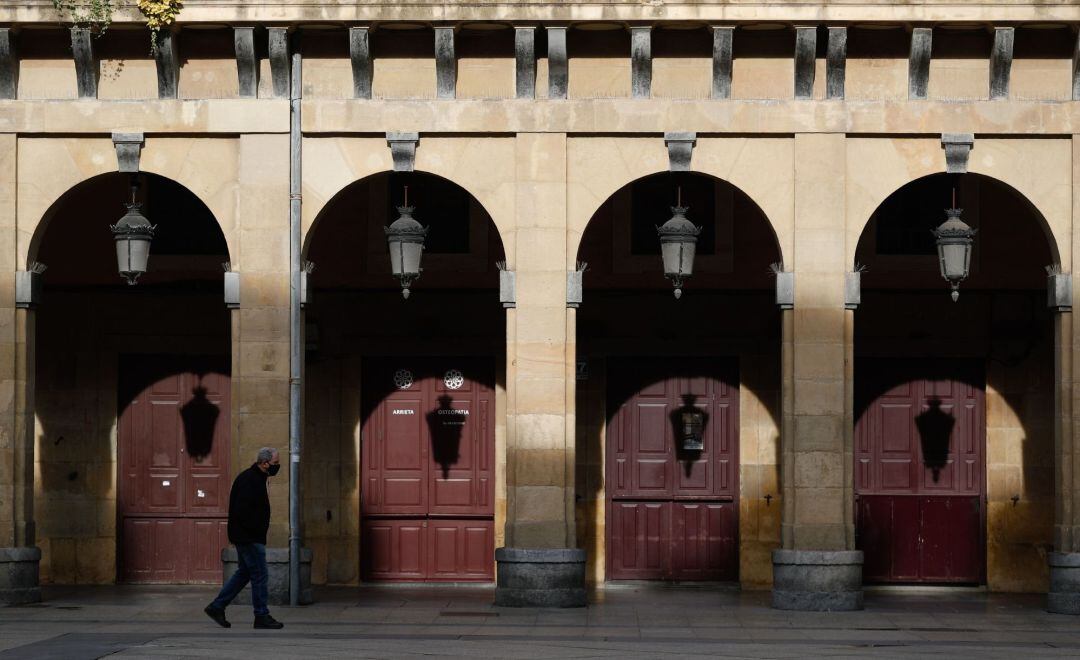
[{"x": 295, "y": 355}]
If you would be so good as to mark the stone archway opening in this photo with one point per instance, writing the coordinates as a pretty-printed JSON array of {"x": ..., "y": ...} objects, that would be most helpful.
[
  {"x": 651, "y": 505},
  {"x": 954, "y": 429},
  {"x": 405, "y": 399},
  {"x": 131, "y": 390}
]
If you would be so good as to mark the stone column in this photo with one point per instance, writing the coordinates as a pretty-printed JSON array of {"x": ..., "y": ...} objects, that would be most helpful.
[
  {"x": 260, "y": 370},
  {"x": 1064, "y": 594},
  {"x": 539, "y": 567},
  {"x": 816, "y": 569},
  {"x": 19, "y": 557}
]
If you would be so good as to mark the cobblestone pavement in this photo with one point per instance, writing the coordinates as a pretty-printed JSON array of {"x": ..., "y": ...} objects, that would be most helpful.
[{"x": 624, "y": 621}]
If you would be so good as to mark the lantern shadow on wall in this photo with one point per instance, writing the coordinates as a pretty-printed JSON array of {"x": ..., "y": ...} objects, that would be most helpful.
[
  {"x": 935, "y": 430},
  {"x": 199, "y": 417},
  {"x": 689, "y": 422},
  {"x": 446, "y": 425}
]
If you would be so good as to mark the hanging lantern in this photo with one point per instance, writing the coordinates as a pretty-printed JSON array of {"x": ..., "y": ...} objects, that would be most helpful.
[
  {"x": 405, "y": 238},
  {"x": 678, "y": 244},
  {"x": 133, "y": 235},
  {"x": 954, "y": 240}
]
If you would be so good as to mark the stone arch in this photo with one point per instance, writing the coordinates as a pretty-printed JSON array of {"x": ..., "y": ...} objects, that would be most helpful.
[
  {"x": 484, "y": 168},
  {"x": 71, "y": 161},
  {"x": 900, "y": 162},
  {"x": 42, "y": 228},
  {"x": 599, "y": 167}
]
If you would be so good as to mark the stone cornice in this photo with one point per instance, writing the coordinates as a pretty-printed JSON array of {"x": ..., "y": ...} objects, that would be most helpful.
[
  {"x": 619, "y": 116},
  {"x": 809, "y": 11}
]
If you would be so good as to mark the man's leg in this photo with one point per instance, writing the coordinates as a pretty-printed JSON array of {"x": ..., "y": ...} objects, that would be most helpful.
[
  {"x": 259, "y": 595},
  {"x": 235, "y": 584},
  {"x": 259, "y": 579}
]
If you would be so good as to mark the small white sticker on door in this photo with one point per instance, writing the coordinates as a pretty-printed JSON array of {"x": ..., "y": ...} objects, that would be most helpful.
[
  {"x": 200, "y": 493},
  {"x": 165, "y": 483}
]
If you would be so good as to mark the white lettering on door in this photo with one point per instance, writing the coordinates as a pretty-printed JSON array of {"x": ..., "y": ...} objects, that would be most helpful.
[{"x": 403, "y": 411}]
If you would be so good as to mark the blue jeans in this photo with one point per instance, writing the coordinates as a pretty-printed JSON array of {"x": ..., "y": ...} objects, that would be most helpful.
[{"x": 250, "y": 567}]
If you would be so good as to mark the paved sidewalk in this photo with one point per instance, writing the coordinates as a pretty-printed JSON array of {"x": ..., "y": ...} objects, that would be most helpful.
[{"x": 624, "y": 621}]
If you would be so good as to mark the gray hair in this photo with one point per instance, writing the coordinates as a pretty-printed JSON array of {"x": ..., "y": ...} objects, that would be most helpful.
[{"x": 265, "y": 455}]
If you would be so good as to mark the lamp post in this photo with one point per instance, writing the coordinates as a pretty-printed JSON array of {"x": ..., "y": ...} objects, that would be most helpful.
[
  {"x": 133, "y": 234},
  {"x": 678, "y": 244},
  {"x": 405, "y": 239},
  {"x": 954, "y": 239}
]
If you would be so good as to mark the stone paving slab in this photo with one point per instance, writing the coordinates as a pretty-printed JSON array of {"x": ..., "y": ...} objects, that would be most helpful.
[{"x": 644, "y": 621}]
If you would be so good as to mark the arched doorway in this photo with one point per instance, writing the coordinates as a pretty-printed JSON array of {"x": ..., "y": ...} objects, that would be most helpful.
[
  {"x": 954, "y": 431},
  {"x": 132, "y": 390},
  {"x": 678, "y": 400},
  {"x": 405, "y": 399}
]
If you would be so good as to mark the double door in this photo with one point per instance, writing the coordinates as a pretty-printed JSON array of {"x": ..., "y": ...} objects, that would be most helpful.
[
  {"x": 672, "y": 470},
  {"x": 919, "y": 479},
  {"x": 427, "y": 505},
  {"x": 173, "y": 442}
]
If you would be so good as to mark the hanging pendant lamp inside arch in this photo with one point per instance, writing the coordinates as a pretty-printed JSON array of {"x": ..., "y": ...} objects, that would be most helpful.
[
  {"x": 678, "y": 245},
  {"x": 405, "y": 239},
  {"x": 133, "y": 235},
  {"x": 954, "y": 239}
]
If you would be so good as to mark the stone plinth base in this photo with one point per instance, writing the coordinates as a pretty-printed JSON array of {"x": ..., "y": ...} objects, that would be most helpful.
[
  {"x": 277, "y": 563},
  {"x": 817, "y": 580},
  {"x": 1064, "y": 596},
  {"x": 540, "y": 577},
  {"x": 19, "y": 576}
]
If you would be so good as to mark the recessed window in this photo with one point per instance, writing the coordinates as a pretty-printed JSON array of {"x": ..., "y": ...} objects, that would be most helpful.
[
  {"x": 906, "y": 219},
  {"x": 651, "y": 202},
  {"x": 441, "y": 206}
]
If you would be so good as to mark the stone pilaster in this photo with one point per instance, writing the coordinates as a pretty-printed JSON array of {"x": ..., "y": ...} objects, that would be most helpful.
[
  {"x": 18, "y": 556},
  {"x": 1064, "y": 593},
  {"x": 817, "y": 569},
  {"x": 539, "y": 565},
  {"x": 260, "y": 369}
]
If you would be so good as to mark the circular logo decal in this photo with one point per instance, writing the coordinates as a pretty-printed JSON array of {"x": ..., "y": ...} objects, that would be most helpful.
[
  {"x": 403, "y": 379},
  {"x": 453, "y": 379}
]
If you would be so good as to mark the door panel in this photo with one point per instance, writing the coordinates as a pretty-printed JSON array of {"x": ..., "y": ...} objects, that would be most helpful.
[
  {"x": 919, "y": 466},
  {"x": 173, "y": 445},
  {"x": 672, "y": 511},
  {"x": 429, "y": 451}
]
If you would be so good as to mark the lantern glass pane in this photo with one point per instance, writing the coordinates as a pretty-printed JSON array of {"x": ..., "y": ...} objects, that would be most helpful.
[
  {"x": 411, "y": 258},
  {"x": 670, "y": 253},
  {"x": 140, "y": 254},
  {"x": 954, "y": 261},
  {"x": 689, "y": 250},
  {"x": 123, "y": 259},
  {"x": 395, "y": 257}
]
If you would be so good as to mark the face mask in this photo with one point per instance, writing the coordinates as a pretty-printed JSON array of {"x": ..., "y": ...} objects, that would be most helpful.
[{"x": 273, "y": 469}]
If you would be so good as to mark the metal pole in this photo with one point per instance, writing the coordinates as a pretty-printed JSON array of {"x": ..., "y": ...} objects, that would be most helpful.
[{"x": 295, "y": 354}]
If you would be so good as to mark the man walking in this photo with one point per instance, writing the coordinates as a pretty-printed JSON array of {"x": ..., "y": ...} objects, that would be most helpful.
[{"x": 249, "y": 518}]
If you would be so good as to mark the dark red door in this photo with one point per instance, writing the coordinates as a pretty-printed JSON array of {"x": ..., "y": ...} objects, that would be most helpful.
[
  {"x": 672, "y": 510},
  {"x": 427, "y": 507},
  {"x": 919, "y": 439},
  {"x": 173, "y": 442}
]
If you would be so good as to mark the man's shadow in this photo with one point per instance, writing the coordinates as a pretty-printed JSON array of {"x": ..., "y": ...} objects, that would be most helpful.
[
  {"x": 689, "y": 423},
  {"x": 446, "y": 425},
  {"x": 935, "y": 429}
]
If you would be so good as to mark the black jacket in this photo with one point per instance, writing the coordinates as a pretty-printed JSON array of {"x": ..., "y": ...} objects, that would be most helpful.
[{"x": 249, "y": 507}]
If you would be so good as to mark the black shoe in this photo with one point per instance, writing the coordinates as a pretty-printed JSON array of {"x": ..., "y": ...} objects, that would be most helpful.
[
  {"x": 267, "y": 621},
  {"x": 217, "y": 615}
]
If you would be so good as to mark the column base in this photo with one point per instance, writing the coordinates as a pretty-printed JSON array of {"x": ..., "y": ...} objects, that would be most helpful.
[
  {"x": 817, "y": 580},
  {"x": 277, "y": 563},
  {"x": 19, "y": 576},
  {"x": 1064, "y": 595},
  {"x": 540, "y": 577}
]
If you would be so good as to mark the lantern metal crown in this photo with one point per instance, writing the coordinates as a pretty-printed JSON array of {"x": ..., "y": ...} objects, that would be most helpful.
[{"x": 133, "y": 235}]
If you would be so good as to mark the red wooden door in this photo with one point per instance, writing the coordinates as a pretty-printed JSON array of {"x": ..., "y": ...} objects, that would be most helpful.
[
  {"x": 919, "y": 482},
  {"x": 427, "y": 508},
  {"x": 173, "y": 444},
  {"x": 672, "y": 512}
]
